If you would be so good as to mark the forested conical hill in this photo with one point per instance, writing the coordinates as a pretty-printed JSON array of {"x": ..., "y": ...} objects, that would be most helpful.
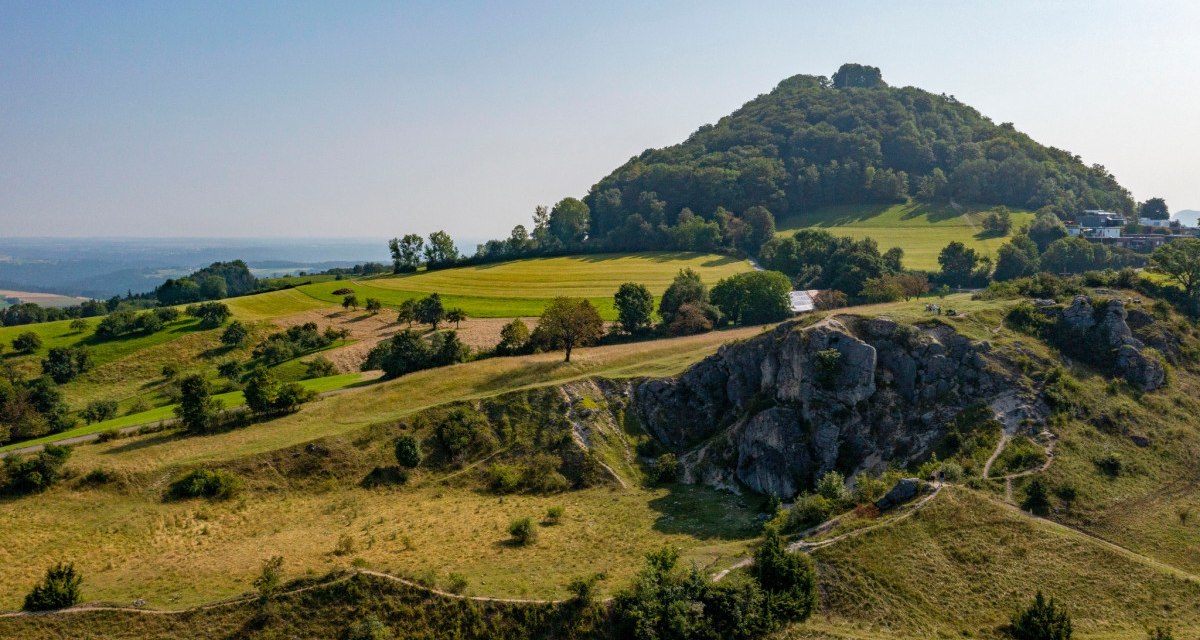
[{"x": 814, "y": 141}]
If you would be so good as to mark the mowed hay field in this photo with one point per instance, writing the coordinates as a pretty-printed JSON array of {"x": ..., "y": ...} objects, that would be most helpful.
[
  {"x": 922, "y": 230},
  {"x": 523, "y": 287}
]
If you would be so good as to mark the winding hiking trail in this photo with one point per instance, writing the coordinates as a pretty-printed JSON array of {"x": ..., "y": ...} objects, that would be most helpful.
[{"x": 251, "y": 598}]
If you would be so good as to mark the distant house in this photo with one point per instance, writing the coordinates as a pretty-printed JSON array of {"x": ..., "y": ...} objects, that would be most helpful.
[{"x": 1095, "y": 223}]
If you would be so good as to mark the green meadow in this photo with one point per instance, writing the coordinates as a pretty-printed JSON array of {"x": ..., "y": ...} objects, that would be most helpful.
[{"x": 921, "y": 229}]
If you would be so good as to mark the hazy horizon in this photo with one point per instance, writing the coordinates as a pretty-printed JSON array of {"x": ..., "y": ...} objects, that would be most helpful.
[{"x": 309, "y": 120}]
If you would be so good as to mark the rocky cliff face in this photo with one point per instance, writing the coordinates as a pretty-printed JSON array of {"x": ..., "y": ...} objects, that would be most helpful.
[
  {"x": 775, "y": 412},
  {"x": 1102, "y": 335}
]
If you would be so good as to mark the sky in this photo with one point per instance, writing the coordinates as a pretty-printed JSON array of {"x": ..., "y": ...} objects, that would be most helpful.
[{"x": 374, "y": 119}]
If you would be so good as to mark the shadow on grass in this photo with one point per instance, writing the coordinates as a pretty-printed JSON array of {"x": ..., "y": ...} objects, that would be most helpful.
[{"x": 706, "y": 514}]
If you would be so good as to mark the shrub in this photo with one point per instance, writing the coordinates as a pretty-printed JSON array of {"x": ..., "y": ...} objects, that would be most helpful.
[
  {"x": 791, "y": 578},
  {"x": 504, "y": 478},
  {"x": 554, "y": 515},
  {"x": 1037, "y": 496},
  {"x": 456, "y": 583},
  {"x": 215, "y": 484},
  {"x": 319, "y": 367},
  {"x": 235, "y": 335},
  {"x": 666, "y": 468},
  {"x": 514, "y": 338},
  {"x": 1110, "y": 464},
  {"x": 270, "y": 578},
  {"x": 690, "y": 319},
  {"x": 828, "y": 363},
  {"x": 344, "y": 546},
  {"x": 809, "y": 510},
  {"x": 79, "y": 324},
  {"x": 343, "y": 291},
  {"x": 27, "y": 342},
  {"x": 26, "y": 475},
  {"x": 64, "y": 364},
  {"x": 211, "y": 314},
  {"x": 832, "y": 487},
  {"x": 109, "y": 435},
  {"x": 58, "y": 590},
  {"x": 1042, "y": 620},
  {"x": 230, "y": 370},
  {"x": 99, "y": 411},
  {"x": 522, "y": 531},
  {"x": 170, "y": 371},
  {"x": 369, "y": 628},
  {"x": 408, "y": 451}
]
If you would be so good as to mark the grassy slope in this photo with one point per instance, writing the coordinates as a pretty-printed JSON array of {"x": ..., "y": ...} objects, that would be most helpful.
[
  {"x": 522, "y": 287},
  {"x": 958, "y": 568},
  {"x": 964, "y": 564},
  {"x": 228, "y": 400},
  {"x": 920, "y": 229},
  {"x": 191, "y": 552}
]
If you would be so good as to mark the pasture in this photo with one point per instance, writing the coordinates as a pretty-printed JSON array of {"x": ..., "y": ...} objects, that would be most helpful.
[{"x": 921, "y": 229}]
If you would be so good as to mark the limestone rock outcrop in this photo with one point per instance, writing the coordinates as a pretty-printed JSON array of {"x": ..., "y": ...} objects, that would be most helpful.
[{"x": 775, "y": 412}]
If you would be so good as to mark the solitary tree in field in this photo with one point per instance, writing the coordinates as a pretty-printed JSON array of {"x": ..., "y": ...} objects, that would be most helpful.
[
  {"x": 456, "y": 316},
  {"x": 374, "y": 305},
  {"x": 197, "y": 410},
  {"x": 635, "y": 307},
  {"x": 571, "y": 322},
  {"x": 350, "y": 302}
]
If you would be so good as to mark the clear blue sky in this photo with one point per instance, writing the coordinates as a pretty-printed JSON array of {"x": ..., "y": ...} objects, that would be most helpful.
[{"x": 374, "y": 119}]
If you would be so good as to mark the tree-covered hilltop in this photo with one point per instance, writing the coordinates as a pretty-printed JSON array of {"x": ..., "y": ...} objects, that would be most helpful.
[{"x": 815, "y": 141}]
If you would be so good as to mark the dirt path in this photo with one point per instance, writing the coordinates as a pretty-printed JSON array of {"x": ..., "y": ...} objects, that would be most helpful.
[
  {"x": 804, "y": 546},
  {"x": 250, "y": 598}
]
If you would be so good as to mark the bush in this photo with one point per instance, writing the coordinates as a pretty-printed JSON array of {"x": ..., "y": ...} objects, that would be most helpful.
[
  {"x": 235, "y": 335},
  {"x": 58, "y": 590},
  {"x": 1042, "y": 620},
  {"x": 27, "y": 342},
  {"x": 504, "y": 478},
  {"x": 554, "y": 515},
  {"x": 408, "y": 451},
  {"x": 1037, "y": 497},
  {"x": 514, "y": 338},
  {"x": 1110, "y": 464},
  {"x": 319, "y": 367},
  {"x": 829, "y": 364},
  {"x": 369, "y": 628},
  {"x": 211, "y": 314},
  {"x": 216, "y": 484},
  {"x": 456, "y": 583},
  {"x": 64, "y": 364},
  {"x": 270, "y": 578},
  {"x": 791, "y": 578},
  {"x": 522, "y": 531},
  {"x": 809, "y": 510},
  {"x": 99, "y": 411},
  {"x": 26, "y": 475},
  {"x": 832, "y": 487},
  {"x": 666, "y": 468}
]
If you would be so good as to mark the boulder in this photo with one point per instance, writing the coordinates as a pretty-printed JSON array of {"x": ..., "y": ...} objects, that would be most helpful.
[
  {"x": 1080, "y": 316},
  {"x": 906, "y": 489}
]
